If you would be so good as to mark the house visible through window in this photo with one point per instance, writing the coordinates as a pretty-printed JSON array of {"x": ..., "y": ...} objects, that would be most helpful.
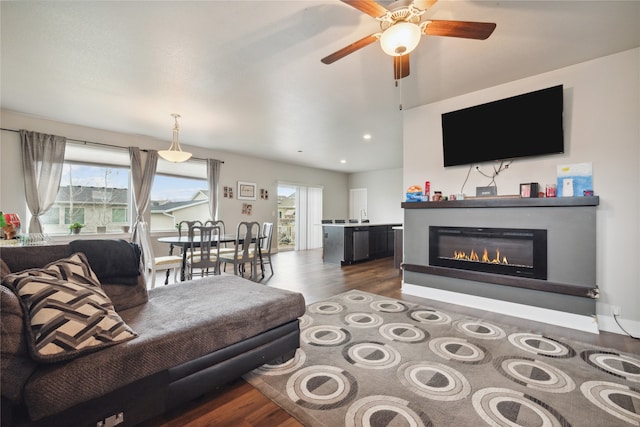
[
  {"x": 52, "y": 216},
  {"x": 119, "y": 215},
  {"x": 95, "y": 196},
  {"x": 73, "y": 215},
  {"x": 175, "y": 199}
]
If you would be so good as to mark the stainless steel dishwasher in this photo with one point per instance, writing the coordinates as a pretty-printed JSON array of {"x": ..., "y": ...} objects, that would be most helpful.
[{"x": 360, "y": 244}]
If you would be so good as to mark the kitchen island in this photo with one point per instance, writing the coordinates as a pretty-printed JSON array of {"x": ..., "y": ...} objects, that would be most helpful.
[{"x": 357, "y": 242}]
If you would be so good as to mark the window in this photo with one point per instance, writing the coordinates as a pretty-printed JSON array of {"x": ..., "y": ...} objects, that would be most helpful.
[
  {"x": 175, "y": 199},
  {"x": 89, "y": 193},
  {"x": 93, "y": 194},
  {"x": 119, "y": 215},
  {"x": 95, "y": 191},
  {"x": 52, "y": 216},
  {"x": 72, "y": 215},
  {"x": 179, "y": 193}
]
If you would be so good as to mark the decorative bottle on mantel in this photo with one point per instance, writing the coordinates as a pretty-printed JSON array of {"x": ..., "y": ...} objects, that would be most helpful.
[{"x": 427, "y": 191}]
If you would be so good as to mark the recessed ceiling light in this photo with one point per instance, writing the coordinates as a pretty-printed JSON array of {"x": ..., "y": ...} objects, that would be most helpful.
[
  {"x": 299, "y": 151},
  {"x": 366, "y": 136},
  {"x": 343, "y": 161}
]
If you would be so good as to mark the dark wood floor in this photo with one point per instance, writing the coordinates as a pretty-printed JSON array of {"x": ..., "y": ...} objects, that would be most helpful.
[{"x": 240, "y": 404}]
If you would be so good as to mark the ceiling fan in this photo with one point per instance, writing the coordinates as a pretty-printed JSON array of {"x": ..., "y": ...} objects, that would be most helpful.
[{"x": 402, "y": 26}]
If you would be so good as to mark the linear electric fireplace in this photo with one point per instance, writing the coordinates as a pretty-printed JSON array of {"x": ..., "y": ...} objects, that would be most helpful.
[{"x": 508, "y": 251}]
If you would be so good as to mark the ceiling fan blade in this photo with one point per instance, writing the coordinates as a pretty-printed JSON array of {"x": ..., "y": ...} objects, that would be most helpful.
[
  {"x": 424, "y": 4},
  {"x": 365, "y": 41},
  {"x": 400, "y": 66},
  {"x": 369, "y": 7},
  {"x": 465, "y": 30}
]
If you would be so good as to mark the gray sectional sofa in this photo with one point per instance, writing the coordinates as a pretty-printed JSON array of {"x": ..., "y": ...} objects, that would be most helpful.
[{"x": 174, "y": 343}]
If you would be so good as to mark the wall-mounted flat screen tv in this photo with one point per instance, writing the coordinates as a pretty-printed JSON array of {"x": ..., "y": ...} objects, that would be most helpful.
[{"x": 521, "y": 126}]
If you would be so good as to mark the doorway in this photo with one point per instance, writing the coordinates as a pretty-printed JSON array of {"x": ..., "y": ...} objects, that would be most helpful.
[
  {"x": 299, "y": 217},
  {"x": 286, "y": 228}
]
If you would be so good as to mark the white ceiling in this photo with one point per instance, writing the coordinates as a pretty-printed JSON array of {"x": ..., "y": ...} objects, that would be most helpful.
[{"x": 246, "y": 76}]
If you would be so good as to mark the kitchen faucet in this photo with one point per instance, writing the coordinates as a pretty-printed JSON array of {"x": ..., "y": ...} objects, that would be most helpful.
[{"x": 363, "y": 214}]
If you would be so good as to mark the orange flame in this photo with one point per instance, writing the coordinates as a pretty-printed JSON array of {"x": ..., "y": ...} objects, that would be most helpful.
[{"x": 473, "y": 256}]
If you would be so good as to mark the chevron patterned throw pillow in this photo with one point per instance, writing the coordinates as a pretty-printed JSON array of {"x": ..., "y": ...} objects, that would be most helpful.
[{"x": 67, "y": 311}]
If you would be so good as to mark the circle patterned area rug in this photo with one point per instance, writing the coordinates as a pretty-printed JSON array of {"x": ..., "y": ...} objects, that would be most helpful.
[{"x": 366, "y": 360}]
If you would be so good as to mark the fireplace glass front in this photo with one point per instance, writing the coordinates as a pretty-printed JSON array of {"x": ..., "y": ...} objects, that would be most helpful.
[{"x": 509, "y": 251}]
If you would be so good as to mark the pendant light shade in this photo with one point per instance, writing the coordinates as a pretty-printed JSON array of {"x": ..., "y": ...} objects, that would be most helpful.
[
  {"x": 174, "y": 153},
  {"x": 400, "y": 38}
]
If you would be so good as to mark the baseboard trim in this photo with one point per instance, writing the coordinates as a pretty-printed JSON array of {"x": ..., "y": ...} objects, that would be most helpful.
[
  {"x": 536, "y": 314},
  {"x": 608, "y": 323}
]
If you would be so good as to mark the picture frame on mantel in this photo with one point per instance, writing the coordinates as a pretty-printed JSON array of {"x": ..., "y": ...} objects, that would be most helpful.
[{"x": 246, "y": 190}]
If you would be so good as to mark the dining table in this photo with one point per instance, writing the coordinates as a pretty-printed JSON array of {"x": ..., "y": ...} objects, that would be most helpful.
[{"x": 185, "y": 242}]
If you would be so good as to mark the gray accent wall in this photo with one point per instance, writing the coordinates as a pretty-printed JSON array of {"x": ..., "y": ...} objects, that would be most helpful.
[{"x": 571, "y": 251}]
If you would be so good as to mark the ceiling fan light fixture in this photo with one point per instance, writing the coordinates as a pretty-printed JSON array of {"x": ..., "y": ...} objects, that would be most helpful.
[
  {"x": 174, "y": 153},
  {"x": 400, "y": 39}
]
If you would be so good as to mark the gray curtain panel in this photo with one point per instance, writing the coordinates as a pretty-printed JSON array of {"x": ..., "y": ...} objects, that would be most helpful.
[
  {"x": 142, "y": 180},
  {"x": 42, "y": 160},
  {"x": 213, "y": 178}
]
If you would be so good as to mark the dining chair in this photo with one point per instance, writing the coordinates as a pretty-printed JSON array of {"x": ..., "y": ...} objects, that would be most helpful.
[
  {"x": 224, "y": 248},
  {"x": 245, "y": 249},
  {"x": 265, "y": 246},
  {"x": 214, "y": 223},
  {"x": 184, "y": 227},
  {"x": 188, "y": 225},
  {"x": 203, "y": 256},
  {"x": 153, "y": 264}
]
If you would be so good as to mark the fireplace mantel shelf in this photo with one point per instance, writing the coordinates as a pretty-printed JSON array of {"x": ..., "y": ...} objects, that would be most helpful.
[{"x": 506, "y": 202}]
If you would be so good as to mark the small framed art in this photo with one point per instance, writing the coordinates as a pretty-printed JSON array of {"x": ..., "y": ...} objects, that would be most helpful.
[{"x": 246, "y": 190}]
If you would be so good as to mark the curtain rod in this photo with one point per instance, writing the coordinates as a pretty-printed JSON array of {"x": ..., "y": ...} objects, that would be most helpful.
[{"x": 101, "y": 143}]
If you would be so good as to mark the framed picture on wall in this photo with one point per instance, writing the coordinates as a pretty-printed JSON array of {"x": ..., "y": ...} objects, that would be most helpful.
[{"x": 246, "y": 190}]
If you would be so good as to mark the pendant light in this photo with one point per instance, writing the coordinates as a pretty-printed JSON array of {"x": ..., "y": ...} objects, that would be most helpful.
[{"x": 174, "y": 153}]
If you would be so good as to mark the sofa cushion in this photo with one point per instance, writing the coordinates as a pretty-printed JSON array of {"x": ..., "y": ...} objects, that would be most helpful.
[
  {"x": 113, "y": 260},
  {"x": 180, "y": 323},
  {"x": 20, "y": 258},
  {"x": 4, "y": 269},
  {"x": 67, "y": 312},
  {"x": 116, "y": 262},
  {"x": 124, "y": 297},
  {"x": 16, "y": 365}
]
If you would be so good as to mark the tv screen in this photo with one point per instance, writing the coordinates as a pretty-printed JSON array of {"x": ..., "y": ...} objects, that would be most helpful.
[{"x": 520, "y": 126}]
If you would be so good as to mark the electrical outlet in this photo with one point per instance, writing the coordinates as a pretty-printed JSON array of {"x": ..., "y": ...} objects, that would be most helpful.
[{"x": 615, "y": 310}]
